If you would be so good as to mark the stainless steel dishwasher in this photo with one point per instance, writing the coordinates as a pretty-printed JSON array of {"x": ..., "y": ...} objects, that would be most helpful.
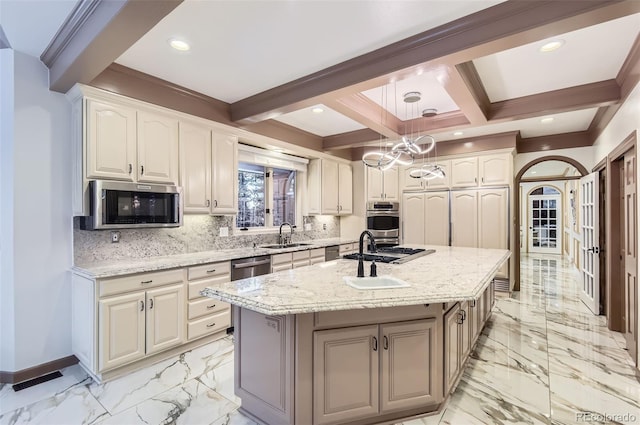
[
  {"x": 248, "y": 267},
  {"x": 332, "y": 252}
]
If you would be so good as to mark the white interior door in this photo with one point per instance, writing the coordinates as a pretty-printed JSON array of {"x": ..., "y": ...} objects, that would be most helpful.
[
  {"x": 590, "y": 264},
  {"x": 545, "y": 224}
]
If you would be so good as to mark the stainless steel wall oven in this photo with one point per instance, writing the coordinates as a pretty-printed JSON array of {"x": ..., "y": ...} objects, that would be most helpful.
[{"x": 383, "y": 221}]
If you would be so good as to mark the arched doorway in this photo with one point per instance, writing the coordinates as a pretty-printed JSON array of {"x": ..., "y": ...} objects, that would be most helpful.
[{"x": 581, "y": 170}]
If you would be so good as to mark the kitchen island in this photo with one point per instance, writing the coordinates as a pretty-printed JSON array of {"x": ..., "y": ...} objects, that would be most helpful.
[{"x": 311, "y": 349}]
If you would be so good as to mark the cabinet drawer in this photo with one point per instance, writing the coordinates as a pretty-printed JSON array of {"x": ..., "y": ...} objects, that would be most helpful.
[
  {"x": 209, "y": 324},
  {"x": 281, "y": 258},
  {"x": 301, "y": 263},
  {"x": 316, "y": 260},
  {"x": 209, "y": 270},
  {"x": 137, "y": 282},
  {"x": 316, "y": 253},
  {"x": 325, "y": 319},
  {"x": 300, "y": 255},
  {"x": 280, "y": 267},
  {"x": 346, "y": 248},
  {"x": 196, "y": 286},
  {"x": 205, "y": 306}
]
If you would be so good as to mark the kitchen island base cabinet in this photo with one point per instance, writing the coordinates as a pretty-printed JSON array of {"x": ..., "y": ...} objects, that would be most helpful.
[{"x": 293, "y": 370}]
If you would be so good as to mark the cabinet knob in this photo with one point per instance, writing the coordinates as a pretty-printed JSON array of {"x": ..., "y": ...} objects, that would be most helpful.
[
  {"x": 141, "y": 169},
  {"x": 141, "y": 305},
  {"x": 215, "y": 203},
  {"x": 208, "y": 203},
  {"x": 209, "y": 307},
  {"x": 210, "y": 325},
  {"x": 130, "y": 168},
  {"x": 151, "y": 304}
]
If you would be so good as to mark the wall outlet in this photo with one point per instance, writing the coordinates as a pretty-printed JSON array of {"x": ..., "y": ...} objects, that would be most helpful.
[
  {"x": 324, "y": 226},
  {"x": 307, "y": 227},
  {"x": 224, "y": 231},
  {"x": 115, "y": 236}
]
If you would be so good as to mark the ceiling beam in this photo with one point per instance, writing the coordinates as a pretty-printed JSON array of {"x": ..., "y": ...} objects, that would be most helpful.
[
  {"x": 365, "y": 111},
  {"x": 556, "y": 141},
  {"x": 445, "y": 121},
  {"x": 350, "y": 139},
  {"x": 467, "y": 91},
  {"x": 95, "y": 34},
  {"x": 585, "y": 96},
  {"x": 506, "y": 25}
]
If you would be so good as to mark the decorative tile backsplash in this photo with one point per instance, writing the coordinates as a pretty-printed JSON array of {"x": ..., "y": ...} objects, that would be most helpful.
[{"x": 198, "y": 233}]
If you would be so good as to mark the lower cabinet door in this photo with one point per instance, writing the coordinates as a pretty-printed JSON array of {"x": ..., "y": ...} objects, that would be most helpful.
[
  {"x": 410, "y": 376},
  {"x": 122, "y": 330},
  {"x": 165, "y": 317},
  {"x": 452, "y": 351},
  {"x": 346, "y": 374},
  {"x": 465, "y": 338}
]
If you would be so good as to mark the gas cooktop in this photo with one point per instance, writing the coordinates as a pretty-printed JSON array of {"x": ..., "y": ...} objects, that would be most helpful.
[{"x": 392, "y": 254}]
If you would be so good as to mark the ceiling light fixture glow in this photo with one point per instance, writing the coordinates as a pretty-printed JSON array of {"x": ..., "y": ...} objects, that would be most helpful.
[
  {"x": 547, "y": 120},
  {"x": 458, "y": 133},
  {"x": 180, "y": 45},
  {"x": 317, "y": 110},
  {"x": 551, "y": 46}
]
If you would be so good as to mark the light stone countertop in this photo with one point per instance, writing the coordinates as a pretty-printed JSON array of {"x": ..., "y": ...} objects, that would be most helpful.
[
  {"x": 449, "y": 274},
  {"x": 142, "y": 265}
]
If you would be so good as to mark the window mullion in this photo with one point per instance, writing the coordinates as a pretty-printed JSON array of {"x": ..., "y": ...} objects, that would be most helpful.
[{"x": 269, "y": 196}]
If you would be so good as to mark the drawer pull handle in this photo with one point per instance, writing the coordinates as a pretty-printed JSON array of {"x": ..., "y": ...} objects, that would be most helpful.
[
  {"x": 375, "y": 344},
  {"x": 211, "y": 306},
  {"x": 150, "y": 303},
  {"x": 210, "y": 325},
  {"x": 141, "y": 305},
  {"x": 146, "y": 281},
  {"x": 386, "y": 343},
  {"x": 211, "y": 271}
]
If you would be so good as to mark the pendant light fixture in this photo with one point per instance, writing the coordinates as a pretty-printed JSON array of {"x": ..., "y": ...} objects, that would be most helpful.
[{"x": 404, "y": 152}]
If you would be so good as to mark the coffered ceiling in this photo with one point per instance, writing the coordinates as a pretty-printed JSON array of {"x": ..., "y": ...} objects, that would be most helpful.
[{"x": 266, "y": 65}]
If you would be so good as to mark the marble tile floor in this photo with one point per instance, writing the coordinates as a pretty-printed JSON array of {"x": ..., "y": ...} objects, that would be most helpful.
[{"x": 543, "y": 358}]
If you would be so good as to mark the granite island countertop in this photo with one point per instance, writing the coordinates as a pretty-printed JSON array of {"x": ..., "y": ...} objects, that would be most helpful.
[
  {"x": 450, "y": 274},
  {"x": 108, "y": 269}
]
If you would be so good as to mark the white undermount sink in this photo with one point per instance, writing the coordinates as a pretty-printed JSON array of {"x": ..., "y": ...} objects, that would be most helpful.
[{"x": 380, "y": 282}]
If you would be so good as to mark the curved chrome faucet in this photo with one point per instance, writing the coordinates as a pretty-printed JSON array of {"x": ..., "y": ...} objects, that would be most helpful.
[
  {"x": 285, "y": 241},
  {"x": 361, "y": 253}
]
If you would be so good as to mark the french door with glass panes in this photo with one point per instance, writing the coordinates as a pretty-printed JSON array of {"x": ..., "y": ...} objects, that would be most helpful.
[{"x": 545, "y": 224}]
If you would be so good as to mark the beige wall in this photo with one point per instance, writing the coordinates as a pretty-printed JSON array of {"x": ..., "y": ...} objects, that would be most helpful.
[{"x": 583, "y": 155}]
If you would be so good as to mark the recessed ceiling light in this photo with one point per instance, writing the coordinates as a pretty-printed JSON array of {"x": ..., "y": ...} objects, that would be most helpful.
[
  {"x": 277, "y": 150},
  {"x": 180, "y": 45},
  {"x": 551, "y": 46},
  {"x": 389, "y": 143},
  {"x": 534, "y": 172},
  {"x": 458, "y": 133},
  {"x": 317, "y": 110},
  {"x": 546, "y": 120},
  {"x": 468, "y": 145}
]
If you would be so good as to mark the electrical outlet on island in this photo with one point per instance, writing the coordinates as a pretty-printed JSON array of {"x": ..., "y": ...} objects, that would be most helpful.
[{"x": 115, "y": 236}]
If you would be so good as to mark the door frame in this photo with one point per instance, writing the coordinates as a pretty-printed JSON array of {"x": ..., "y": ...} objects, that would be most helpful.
[
  {"x": 559, "y": 216},
  {"x": 518, "y": 179},
  {"x": 613, "y": 230}
]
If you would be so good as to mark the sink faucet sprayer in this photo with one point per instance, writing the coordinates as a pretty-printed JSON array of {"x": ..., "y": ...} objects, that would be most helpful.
[
  {"x": 285, "y": 241},
  {"x": 361, "y": 254}
]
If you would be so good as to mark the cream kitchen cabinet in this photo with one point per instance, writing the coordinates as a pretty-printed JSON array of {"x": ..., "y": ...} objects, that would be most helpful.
[
  {"x": 363, "y": 371},
  {"x": 110, "y": 141},
  {"x": 464, "y": 218},
  {"x": 382, "y": 185},
  {"x": 206, "y": 316},
  {"x": 408, "y": 183},
  {"x": 125, "y": 144},
  {"x": 137, "y": 322},
  {"x": 348, "y": 248},
  {"x": 329, "y": 187},
  {"x": 485, "y": 170},
  {"x": 157, "y": 142},
  {"x": 425, "y": 218},
  {"x": 457, "y": 343},
  {"x": 208, "y": 170}
]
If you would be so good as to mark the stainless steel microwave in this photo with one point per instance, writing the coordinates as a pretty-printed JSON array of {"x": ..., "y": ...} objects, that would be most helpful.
[{"x": 124, "y": 205}]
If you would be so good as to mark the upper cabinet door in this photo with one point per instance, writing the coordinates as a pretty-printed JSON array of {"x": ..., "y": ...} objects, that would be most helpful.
[
  {"x": 195, "y": 167},
  {"x": 345, "y": 191},
  {"x": 157, "y": 148},
  {"x": 375, "y": 188},
  {"x": 111, "y": 141},
  {"x": 330, "y": 187},
  {"x": 390, "y": 184},
  {"x": 495, "y": 169},
  {"x": 225, "y": 174},
  {"x": 443, "y": 183},
  {"x": 314, "y": 186},
  {"x": 464, "y": 172},
  {"x": 410, "y": 183}
]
